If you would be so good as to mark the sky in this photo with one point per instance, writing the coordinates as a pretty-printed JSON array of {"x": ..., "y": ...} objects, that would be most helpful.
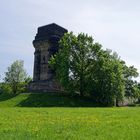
[{"x": 113, "y": 23}]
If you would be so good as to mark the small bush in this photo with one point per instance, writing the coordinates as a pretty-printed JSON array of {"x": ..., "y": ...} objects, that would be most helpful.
[{"x": 5, "y": 88}]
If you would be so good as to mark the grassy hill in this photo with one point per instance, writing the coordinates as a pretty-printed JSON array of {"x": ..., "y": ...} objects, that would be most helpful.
[
  {"x": 55, "y": 117},
  {"x": 44, "y": 100}
]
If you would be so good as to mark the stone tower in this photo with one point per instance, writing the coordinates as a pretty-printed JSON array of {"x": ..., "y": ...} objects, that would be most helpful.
[{"x": 45, "y": 44}]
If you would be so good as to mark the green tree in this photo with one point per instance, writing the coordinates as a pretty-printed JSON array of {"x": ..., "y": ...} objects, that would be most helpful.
[
  {"x": 15, "y": 75},
  {"x": 73, "y": 61},
  {"x": 107, "y": 80},
  {"x": 138, "y": 86},
  {"x": 5, "y": 88},
  {"x": 83, "y": 67},
  {"x": 131, "y": 86}
]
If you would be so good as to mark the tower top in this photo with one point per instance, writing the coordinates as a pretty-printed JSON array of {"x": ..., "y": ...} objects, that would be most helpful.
[{"x": 50, "y": 30}]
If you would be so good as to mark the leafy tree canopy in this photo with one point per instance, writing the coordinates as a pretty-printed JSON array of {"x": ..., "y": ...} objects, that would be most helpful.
[
  {"x": 15, "y": 75},
  {"x": 84, "y": 68}
]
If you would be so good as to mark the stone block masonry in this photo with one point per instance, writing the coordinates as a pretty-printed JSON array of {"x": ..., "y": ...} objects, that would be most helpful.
[{"x": 45, "y": 44}]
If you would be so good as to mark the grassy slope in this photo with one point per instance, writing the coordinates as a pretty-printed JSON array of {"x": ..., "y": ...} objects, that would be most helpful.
[
  {"x": 61, "y": 123},
  {"x": 44, "y": 100}
]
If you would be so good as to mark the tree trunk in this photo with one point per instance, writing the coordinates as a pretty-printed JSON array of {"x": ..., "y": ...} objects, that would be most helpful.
[{"x": 81, "y": 86}]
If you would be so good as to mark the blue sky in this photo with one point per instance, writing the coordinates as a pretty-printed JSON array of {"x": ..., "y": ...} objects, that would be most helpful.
[{"x": 114, "y": 24}]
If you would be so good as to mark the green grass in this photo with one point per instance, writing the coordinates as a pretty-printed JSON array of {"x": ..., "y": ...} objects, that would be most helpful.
[
  {"x": 65, "y": 123},
  {"x": 44, "y": 100},
  {"x": 70, "y": 123}
]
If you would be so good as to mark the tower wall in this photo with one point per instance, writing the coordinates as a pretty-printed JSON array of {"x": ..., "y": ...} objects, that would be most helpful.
[{"x": 45, "y": 44}]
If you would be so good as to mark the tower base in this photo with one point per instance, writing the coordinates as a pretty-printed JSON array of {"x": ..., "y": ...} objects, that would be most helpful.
[{"x": 44, "y": 86}]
